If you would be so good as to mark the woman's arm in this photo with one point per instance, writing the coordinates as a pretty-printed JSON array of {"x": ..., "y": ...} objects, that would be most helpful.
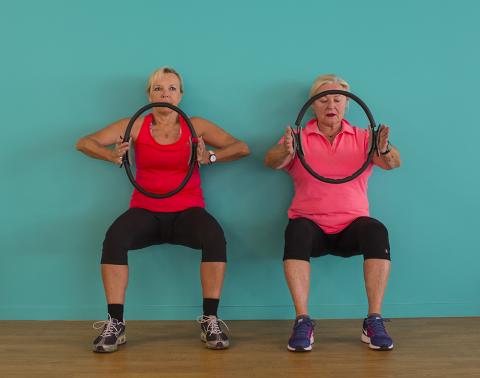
[
  {"x": 227, "y": 148},
  {"x": 281, "y": 154},
  {"x": 97, "y": 145},
  {"x": 388, "y": 156}
]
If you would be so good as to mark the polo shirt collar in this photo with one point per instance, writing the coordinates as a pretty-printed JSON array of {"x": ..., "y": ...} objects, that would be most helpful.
[{"x": 312, "y": 128}]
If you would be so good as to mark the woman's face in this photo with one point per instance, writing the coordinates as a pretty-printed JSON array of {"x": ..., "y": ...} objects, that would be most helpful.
[
  {"x": 330, "y": 109},
  {"x": 165, "y": 88}
]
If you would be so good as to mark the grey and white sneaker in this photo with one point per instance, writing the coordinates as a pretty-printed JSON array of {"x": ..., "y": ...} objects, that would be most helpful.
[
  {"x": 113, "y": 334},
  {"x": 212, "y": 334}
]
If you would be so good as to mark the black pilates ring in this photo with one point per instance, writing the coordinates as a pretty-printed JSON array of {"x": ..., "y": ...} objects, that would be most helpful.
[
  {"x": 193, "y": 152},
  {"x": 297, "y": 137}
]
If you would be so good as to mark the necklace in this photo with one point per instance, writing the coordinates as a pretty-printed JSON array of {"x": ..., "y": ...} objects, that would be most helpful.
[{"x": 166, "y": 135}]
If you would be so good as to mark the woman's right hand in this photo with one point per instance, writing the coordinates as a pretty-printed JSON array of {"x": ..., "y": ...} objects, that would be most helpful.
[
  {"x": 119, "y": 151},
  {"x": 288, "y": 140}
]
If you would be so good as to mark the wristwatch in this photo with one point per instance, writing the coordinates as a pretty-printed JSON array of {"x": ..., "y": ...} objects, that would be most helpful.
[
  {"x": 212, "y": 158},
  {"x": 389, "y": 148}
]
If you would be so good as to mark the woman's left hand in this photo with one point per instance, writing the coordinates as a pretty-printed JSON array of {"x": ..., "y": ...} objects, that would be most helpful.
[
  {"x": 382, "y": 140},
  {"x": 202, "y": 153}
]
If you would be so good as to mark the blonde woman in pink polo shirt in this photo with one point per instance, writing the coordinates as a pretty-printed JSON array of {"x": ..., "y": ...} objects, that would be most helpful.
[{"x": 334, "y": 219}]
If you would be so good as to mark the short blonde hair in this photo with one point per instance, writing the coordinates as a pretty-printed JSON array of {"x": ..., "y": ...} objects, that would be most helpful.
[
  {"x": 162, "y": 71},
  {"x": 328, "y": 79}
]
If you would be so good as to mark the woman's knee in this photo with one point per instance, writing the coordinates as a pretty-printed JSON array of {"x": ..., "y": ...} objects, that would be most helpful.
[
  {"x": 374, "y": 240},
  {"x": 214, "y": 245}
]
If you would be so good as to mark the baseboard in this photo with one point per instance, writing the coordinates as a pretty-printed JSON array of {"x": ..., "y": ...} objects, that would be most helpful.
[{"x": 238, "y": 312}]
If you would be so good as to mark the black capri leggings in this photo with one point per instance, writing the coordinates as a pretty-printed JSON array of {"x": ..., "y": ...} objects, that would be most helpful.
[
  {"x": 365, "y": 235},
  {"x": 139, "y": 228}
]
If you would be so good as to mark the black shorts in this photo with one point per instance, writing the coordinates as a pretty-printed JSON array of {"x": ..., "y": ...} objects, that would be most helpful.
[
  {"x": 364, "y": 236},
  {"x": 139, "y": 228}
]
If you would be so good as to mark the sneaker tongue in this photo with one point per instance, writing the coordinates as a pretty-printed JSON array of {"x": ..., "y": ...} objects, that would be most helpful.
[{"x": 302, "y": 319}]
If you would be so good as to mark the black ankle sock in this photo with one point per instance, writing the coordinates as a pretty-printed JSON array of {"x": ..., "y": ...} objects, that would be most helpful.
[
  {"x": 210, "y": 306},
  {"x": 116, "y": 311}
]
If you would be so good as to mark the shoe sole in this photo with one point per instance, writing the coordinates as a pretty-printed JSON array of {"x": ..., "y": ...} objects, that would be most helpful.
[
  {"x": 307, "y": 349},
  {"x": 365, "y": 339},
  {"x": 110, "y": 348},
  {"x": 218, "y": 344}
]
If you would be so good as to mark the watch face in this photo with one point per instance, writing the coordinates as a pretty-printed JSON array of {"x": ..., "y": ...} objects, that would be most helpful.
[{"x": 212, "y": 158}]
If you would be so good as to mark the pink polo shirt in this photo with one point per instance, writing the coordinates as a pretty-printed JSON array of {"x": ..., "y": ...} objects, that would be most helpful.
[{"x": 331, "y": 206}]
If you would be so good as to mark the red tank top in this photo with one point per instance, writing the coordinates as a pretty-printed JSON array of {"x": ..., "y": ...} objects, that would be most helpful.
[{"x": 161, "y": 168}]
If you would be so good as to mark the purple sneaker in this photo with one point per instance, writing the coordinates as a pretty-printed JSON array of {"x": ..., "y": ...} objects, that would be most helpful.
[
  {"x": 375, "y": 335},
  {"x": 302, "y": 335}
]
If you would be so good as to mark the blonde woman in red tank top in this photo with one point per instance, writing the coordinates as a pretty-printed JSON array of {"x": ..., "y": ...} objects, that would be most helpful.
[{"x": 161, "y": 144}]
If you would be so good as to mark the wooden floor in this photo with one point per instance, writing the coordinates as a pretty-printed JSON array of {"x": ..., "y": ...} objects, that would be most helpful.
[{"x": 439, "y": 347}]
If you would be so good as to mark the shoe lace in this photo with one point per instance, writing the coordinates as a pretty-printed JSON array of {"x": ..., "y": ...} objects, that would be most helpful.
[
  {"x": 110, "y": 326},
  {"x": 302, "y": 329},
  {"x": 378, "y": 325},
  {"x": 213, "y": 324}
]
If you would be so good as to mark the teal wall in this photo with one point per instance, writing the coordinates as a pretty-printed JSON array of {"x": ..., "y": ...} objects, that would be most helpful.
[{"x": 69, "y": 68}]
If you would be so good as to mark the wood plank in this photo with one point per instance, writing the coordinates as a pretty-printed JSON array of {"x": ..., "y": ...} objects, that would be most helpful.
[{"x": 427, "y": 347}]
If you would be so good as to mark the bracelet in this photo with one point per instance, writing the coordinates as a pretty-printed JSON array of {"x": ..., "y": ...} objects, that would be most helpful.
[{"x": 389, "y": 148}]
